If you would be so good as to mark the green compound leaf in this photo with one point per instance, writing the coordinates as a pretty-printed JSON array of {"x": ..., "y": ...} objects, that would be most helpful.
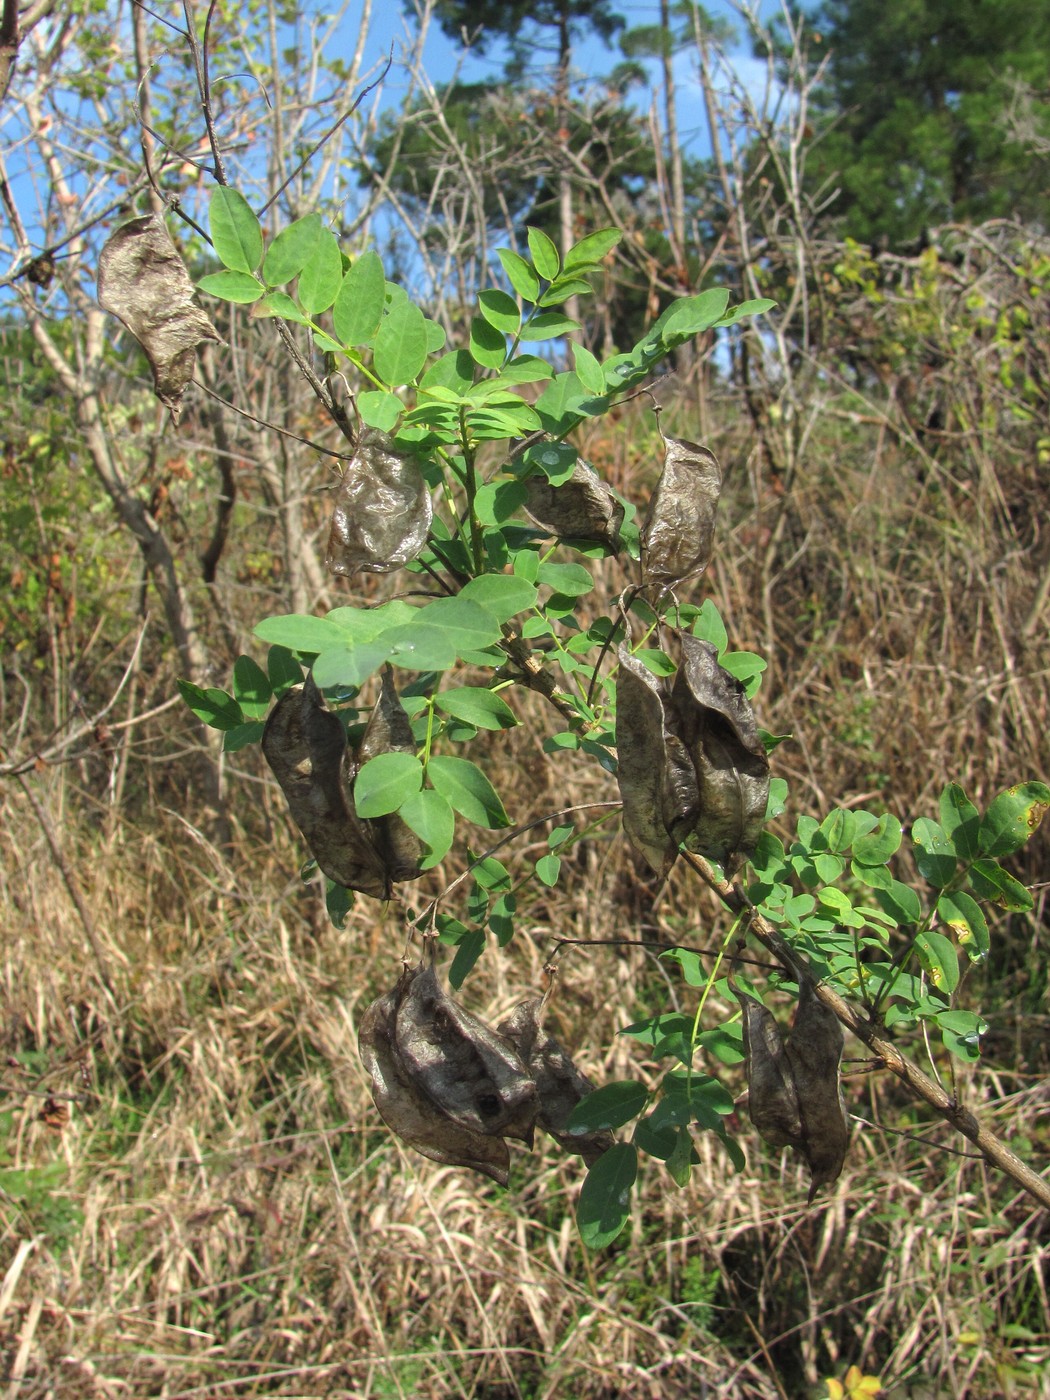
[
  {"x": 605, "y": 1198},
  {"x": 385, "y": 782},
  {"x": 934, "y": 852},
  {"x": 610, "y": 1107},
  {"x": 939, "y": 961},
  {"x": 501, "y": 311},
  {"x": 592, "y": 249},
  {"x": 217, "y": 709},
  {"x": 964, "y": 916},
  {"x": 880, "y": 845},
  {"x": 1012, "y": 818},
  {"x": 960, "y": 820},
  {"x": 239, "y": 287},
  {"x": 468, "y": 950},
  {"x": 282, "y": 670},
  {"x": 235, "y": 231},
  {"x": 300, "y": 632},
  {"x": 379, "y": 409},
  {"x": 401, "y": 345},
  {"x": 433, "y": 821},
  {"x": 548, "y": 868},
  {"x": 899, "y": 901},
  {"x": 520, "y": 274},
  {"x": 358, "y": 307},
  {"x": 961, "y": 1032},
  {"x": 545, "y": 255},
  {"x": 488, "y": 346},
  {"x": 990, "y": 881},
  {"x": 322, "y": 277},
  {"x": 348, "y": 664},
  {"x": 291, "y": 250},
  {"x": 477, "y": 706},
  {"x": 501, "y": 595},
  {"x": 251, "y": 687},
  {"x": 465, "y": 787}
]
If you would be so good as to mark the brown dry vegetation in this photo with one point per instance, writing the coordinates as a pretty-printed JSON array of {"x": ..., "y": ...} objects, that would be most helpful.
[{"x": 223, "y": 1214}]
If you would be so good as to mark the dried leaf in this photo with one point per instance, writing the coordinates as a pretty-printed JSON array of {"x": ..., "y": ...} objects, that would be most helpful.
[
  {"x": 408, "y": 1112},
  {"x": 475, "y": 1076},
  {"x": 715, "y": 721},
  {"x": 654, "y": 771},
  {"x": 389, "y": 730},
  {"x": 678, "y": 530},
  {"x": 305, "y": 745},
  {"x": 559, "y": 1084},
  {"x": 383, "y": 510},
  {"x": 815, "y": 1054},
  {"x": 583, "y": 507},
  {"x": 143, "y": 282},
  {"x": 772, "y": 1099}
]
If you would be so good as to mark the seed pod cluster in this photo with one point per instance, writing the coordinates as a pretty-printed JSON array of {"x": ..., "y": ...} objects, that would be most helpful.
[
  {"x": 794, "y": 1096},
  {"x": 382, "y": 512},
  {"x": 306, "y": 747},
  {"x": 456, "y": 1090},
  {"x": 692, "y": 768}
]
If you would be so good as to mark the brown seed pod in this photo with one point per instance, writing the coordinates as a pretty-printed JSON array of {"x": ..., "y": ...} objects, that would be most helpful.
[
  {"x": 678, "y": 531},
  {"x": 815, "y": 1054},
  {"x": 654, "y": 771},
  {"x": 472, "y": 1074},
  {"x": 305, "y": 745},
  {"x": 389, "y": 730},
  {"x": 715, "y": 721},
  {"x": 582, "y": 508},
  {"x": 408, "y": 1112},
  {"x": 772, "y": 1099},
  {"x": 382, "y": 512},
  {"x": 142, "y": 280},
  {"x": 559, "y": 1084}
]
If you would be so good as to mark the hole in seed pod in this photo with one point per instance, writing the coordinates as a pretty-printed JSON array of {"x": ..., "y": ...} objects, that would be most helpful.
[{"x": 488, "y": 1105}]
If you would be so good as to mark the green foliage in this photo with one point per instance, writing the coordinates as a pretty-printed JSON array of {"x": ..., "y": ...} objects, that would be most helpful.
[
  {"x": 930, "y": 145},
  {"x": 834, "y": 889}
]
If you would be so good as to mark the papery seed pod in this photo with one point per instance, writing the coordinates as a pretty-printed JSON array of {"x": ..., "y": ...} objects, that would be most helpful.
[
  {"x": 581, "y": 508},
  {"x": 389, "y": 730},
  {"x": 714, "y": 719},
  {"x": 815, "y": 1053},
  {"x": 654, "y": 771},
  {"x": 462, "y": 1065},
  {"x": 382, "y": 512},
  {"x": 559, "y": 1084},
  {"x": 772, "y": 1099},
  {"x": 143, "y": 281},
  {"x": 409, "y": 1113},
  {"x": 678, "y": 530},
  {"x": 305, "y": 745}
]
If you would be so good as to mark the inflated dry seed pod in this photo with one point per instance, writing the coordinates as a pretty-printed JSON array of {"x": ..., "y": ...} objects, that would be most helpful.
[
  {"x": 408, "y": 1112},
  {"x": 389, "y": 730},
  {"x": 305, "y": 745},
  {"x": 559, "y": 1084},
  {"x": 714, "y": 719},
  {"x": 582, "y": 508},
  {"x": 815, "y": 1053},
  {"x": 772, "y": 1099},
  {"x": 654, "y": 771},
  {"x": 472, "y": 1074},
  {"x": 382, "y": 512},
  {"x": 678, "y": 530},
  {"x": 142, "y": 280}
]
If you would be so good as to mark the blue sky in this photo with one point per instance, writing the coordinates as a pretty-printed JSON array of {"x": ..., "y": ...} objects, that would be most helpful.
[{"x": 392, "y": 28}]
